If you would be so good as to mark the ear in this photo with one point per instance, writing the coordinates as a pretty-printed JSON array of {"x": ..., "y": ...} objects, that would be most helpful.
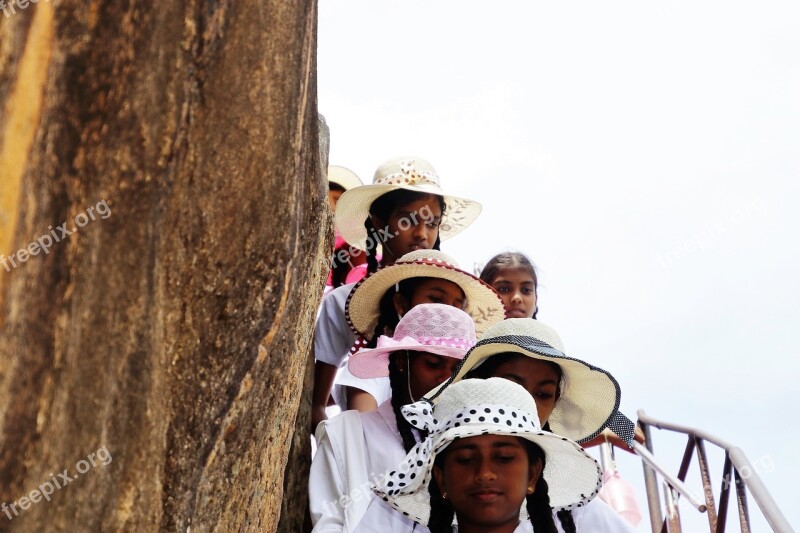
[
  {"x": 535, "y": 472},
  {"x": 401, "y": 305},
  {"x": 438, "y": 475}
]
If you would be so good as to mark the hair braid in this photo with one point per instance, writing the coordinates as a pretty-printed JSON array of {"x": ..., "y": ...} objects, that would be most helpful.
[
  {"x": 539, "y": 510},
  {"x": 567, "y": 523},
  {"x": 387, "y": 318},
  {"x": 372, "y": 247},
  {"x": 441, "y": 518},
  {"x": 397, "y": 382}
]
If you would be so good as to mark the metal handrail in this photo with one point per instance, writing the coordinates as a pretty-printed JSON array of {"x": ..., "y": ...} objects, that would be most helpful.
[{"x": 734, "y": 459}]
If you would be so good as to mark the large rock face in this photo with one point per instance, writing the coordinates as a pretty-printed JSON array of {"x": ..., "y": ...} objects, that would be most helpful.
[{"x": 158, "y": 351}]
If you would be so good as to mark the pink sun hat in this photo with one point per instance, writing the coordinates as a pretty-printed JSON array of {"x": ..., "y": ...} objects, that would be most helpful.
[{"x": 432, "y": 328}]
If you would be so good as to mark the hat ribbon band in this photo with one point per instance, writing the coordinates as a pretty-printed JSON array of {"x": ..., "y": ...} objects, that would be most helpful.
[
  {"x": 420, "y": 415},
  {"x": 450, "y": 342}
]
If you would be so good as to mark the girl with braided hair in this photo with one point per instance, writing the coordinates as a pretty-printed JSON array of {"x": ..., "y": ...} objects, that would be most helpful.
[
  {"x": 376, "y": 304},
  {"x": 573, "y": 398},
  {"x": 403, "y": 210},
  {"x": 355, "y": 448},
  {"x": 487, "y": 463}
]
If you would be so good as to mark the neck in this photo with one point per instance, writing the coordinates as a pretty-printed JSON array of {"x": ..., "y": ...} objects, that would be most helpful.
[{"x": 483, "y": 528}]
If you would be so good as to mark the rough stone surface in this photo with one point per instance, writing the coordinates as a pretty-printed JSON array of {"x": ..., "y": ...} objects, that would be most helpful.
[{"x": 173, "y": 332}]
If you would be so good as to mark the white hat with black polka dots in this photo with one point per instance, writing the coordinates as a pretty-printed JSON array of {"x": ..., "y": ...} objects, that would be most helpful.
[{"x": 474, "y": 407}]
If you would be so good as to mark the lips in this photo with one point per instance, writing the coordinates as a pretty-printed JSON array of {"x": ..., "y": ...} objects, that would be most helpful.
[
  {"x": 486, "y": 495},
  {"x": 517, "y": 313}
]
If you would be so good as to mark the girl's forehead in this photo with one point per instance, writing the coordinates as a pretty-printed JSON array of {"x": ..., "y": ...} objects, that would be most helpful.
[{"x": 513, "y": 273}]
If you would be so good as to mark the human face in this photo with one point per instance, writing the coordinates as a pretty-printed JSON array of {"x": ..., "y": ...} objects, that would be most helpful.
[
  {"x": 538, "y": 377},
  {"x": 413, "y": 226},
  {"x": 427, "y": 371},
  {"x": 432, "y": 291},
  {"x": 517, "y": 289},
  {"x": 486, "y": 479},
  {"x": 333, "y": 198}
]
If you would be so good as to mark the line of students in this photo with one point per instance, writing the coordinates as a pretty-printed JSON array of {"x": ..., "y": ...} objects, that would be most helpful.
[{"x": 410, "y": 325}]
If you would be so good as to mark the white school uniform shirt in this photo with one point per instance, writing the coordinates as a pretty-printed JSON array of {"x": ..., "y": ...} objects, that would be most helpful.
[
  {"x": 354, "y": 450},
  {"x": 357, "y": 448},
  {"x": 595, "y": 517},
  {"x": 332, "y": 336},
  {"x": 333, "y": 339}
]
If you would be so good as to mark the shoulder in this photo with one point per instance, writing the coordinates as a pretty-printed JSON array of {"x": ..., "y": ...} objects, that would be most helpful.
[
  {"x": 598, "y": 516},
  {"x": 346, "y": 422}
]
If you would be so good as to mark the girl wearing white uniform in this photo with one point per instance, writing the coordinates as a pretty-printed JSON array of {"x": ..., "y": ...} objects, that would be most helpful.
[
  {"x": 404, "y": 209},
  {"x": 376, "y": 303},
  {"x": 487, "y": 462},
  {"x": 354, "y": 448}
]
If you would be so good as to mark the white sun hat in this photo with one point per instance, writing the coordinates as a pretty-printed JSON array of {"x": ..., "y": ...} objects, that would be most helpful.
[
  {"x": 475, "y": 407},
  {"x": 409, "y": 173},
  {"x": 343, "y": 177},
  {"x": 590, "y": 396},
  {"x": 363, "y": 304}
]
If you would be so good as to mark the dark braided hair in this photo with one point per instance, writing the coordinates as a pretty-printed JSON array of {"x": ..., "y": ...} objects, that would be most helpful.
[
  {"x": 511, "y": 260},
  {"x": 538, "y": 503},
  {"x": 382, "y": 208},
  {"x": 397, "y": 383},
  {"x": 442, "y": 513}
]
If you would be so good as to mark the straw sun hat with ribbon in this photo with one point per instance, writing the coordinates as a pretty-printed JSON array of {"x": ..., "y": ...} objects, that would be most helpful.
[
  {"x": 476, "y": 407},
  {"x": 363, "y": 304},
  {"x": 590, "y": 396},
  {"x": 409, "y": 173},
  {"x": 343, "y": 177}
]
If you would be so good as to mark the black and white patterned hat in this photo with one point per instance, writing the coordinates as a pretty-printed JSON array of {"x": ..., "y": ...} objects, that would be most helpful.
[
  {"x": 590, "y": 396},
  {"x": 475, "y": 407}
]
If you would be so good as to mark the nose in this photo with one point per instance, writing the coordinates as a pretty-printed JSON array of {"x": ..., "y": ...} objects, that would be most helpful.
[
  {"x": 485, "y": 473},
  {"x": 517, "y": 297},
  {"x": 421, "y": 233}
]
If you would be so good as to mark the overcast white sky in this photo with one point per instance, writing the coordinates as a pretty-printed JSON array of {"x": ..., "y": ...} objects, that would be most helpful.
[{"x": 646, "y": 156}]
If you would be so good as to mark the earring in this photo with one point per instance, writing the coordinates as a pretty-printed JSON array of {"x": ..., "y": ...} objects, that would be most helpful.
[
  {"x": 444, "y": 495},
  {"x": 530, "y": 490}
]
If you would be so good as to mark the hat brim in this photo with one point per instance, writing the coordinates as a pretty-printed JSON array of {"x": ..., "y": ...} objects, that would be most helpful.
[
  {"x": 374, "y": 362},
  {"x": 572, "y": 475},
  {"x": 352, "y": 209},
  {"x": 363, "y": 304},
  {"x": 589, "y": 395},
  {"x": 343, "y": 177}
]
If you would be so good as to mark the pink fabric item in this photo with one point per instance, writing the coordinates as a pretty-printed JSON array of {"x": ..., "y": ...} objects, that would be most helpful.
[
  {"x": 620, "y": 496},
  {"x": 432, "y": 328},
  {"x": 356, "y": 274}
]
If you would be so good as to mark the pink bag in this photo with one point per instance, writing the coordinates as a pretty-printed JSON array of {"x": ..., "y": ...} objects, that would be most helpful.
[{"x": 617, "y": 492}]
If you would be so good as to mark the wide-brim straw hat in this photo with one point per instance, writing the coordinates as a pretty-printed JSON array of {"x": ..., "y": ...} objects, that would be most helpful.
[
  {"x": 343, "y": 177},
  {"x": 410, "y": 173},
  {"x": 590, "y": 396},
  {"x": 363, "y": 304},
  {"x": 432, "y": 328},
  {"x": 475, "y": 407}
]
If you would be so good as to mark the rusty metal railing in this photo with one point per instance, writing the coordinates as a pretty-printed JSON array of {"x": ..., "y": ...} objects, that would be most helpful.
[{"x": 736, "y": 471}]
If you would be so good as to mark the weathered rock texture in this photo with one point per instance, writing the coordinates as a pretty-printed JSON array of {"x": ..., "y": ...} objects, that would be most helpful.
[{"x": 175, "y": 331}]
